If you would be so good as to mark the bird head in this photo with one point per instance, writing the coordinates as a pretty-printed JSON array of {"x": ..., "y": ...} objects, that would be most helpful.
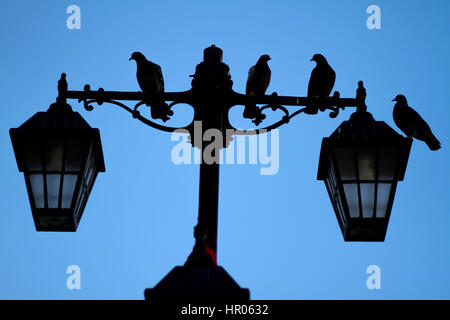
[
  {"x": 264, "y": 58},
  {"x": 137, "y": 56},
  {"x": 400, "y": 99},
  {"x": 318, "y": 58}
]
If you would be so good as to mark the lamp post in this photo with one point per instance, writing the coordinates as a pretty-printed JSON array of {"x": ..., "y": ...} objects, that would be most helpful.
[{"x": 362, "y": 198}]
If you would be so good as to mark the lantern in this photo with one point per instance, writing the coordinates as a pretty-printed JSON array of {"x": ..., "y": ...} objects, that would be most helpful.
[
  {"x": 361, "y": 163},
  {"x": 60, "y": 156}
]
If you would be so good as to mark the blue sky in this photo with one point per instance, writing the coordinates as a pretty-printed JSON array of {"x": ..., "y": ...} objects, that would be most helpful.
[{"x": 278, "y": 234}]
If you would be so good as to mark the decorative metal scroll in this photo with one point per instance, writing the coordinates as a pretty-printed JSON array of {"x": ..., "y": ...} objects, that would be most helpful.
[{"x": 271, "y": 102}]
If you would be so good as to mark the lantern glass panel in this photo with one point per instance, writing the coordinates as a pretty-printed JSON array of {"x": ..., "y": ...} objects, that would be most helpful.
[
  {"x": 388, "y": 163},
  {"x": 70, "y": 181},
  {"x": 53, "y": 184},
  {"x": 54, "y": 155},
  {"x": 90, "y": 171},
  {"x": 346, "y": 163},
  {"x": 384, "y": 190},
  {"x": 336, "y": 201},
  {"x": 332, "y": 176},
  {"x": 366, "y": 163},
  {"x": 335, "y": 194},
  {"x": 367, "y": 199},
  {"x": 37, "y": 188},
  {"x": 351, "y": 195}
]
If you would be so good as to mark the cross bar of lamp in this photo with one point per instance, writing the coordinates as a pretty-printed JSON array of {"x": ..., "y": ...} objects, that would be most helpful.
[{"x": 187, "y": 97}]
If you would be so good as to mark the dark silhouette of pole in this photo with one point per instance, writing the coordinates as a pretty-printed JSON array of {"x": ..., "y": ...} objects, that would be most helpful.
[
  {"x": 209, "y": 204},
  {"x": 211, "y": 84}
]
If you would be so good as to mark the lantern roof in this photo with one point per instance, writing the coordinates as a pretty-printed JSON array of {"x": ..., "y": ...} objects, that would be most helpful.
[
  {"x": 362, "y": 125},
  {"x": 362, "y": 128},
  {"x": 58, "y": 116}
]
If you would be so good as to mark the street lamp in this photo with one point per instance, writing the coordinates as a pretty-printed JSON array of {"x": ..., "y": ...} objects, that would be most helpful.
[
  {"x": 361, "y": 163},
  {"x": 60, "y": 156},
  {"x": 375, "y": 153}
]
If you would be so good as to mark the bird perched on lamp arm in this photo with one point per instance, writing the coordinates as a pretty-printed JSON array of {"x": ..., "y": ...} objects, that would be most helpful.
[
  {"x": 320, "y": 83},
  {"x": 412, "y": 124},
  {"x": 257, "y": 83},
  {"x": 151, "y": 82}
]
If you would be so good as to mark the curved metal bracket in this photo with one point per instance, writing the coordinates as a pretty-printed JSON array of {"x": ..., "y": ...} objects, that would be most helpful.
[
  {"x": 228, "y": 99},
  {"x": 333, "y": 104},
  {"x": 87, "y": 103}
]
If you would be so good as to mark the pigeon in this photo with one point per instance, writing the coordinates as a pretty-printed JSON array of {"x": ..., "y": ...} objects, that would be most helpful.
[
  {"x": 412, "y": 124},
  {"x": 257, "y": 82},
  {"x": 258, "y": 77},
  {"x": 62, "y": 89},
  {"x": 361, "y": 92},
  {"x": 62, "y": 83},
  {"x": 360, "y": 97},
  {"x": 151, "y": 81},
  {"x": 321, "y": 81}
]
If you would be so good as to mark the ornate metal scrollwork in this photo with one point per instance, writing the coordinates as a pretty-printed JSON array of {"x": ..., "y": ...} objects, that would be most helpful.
[
  {"x": 273, "y": 102},
  {"x": 100, "y": 99},
  {"x": 334, "y": 104}
]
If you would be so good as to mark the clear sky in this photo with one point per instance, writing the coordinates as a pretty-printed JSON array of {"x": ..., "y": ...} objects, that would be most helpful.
[{"x": 278, "y": 234}]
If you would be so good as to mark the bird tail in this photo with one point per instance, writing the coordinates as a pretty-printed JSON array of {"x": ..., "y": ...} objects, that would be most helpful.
[
  {"x": 312, "y": 107},
  {"x": 160, "y": 110},
  {"x": 250, "y": 110},
  {"x": 432, "y": 142}
]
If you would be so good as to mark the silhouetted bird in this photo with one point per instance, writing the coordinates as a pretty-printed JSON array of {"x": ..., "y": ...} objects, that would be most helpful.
[
  {"x": 321, "y": 81},
  {"x": 62, "y": 83},
  {"x": 361, "y": 96},
  {"x": 361, "y": 92},
  {"x": 257, "y": 82},
  {"x": 151, "y": 81},
  {"x": 412, "y": 124}
]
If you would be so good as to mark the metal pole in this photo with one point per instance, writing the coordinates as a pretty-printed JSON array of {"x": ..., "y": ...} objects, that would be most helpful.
[
  {"x": 205, "y": 232},
  {"x": 209, "y": 202}
]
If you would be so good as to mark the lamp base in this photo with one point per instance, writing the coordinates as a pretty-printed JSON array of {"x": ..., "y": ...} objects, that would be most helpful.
[{"x": 197, "y": 283}]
